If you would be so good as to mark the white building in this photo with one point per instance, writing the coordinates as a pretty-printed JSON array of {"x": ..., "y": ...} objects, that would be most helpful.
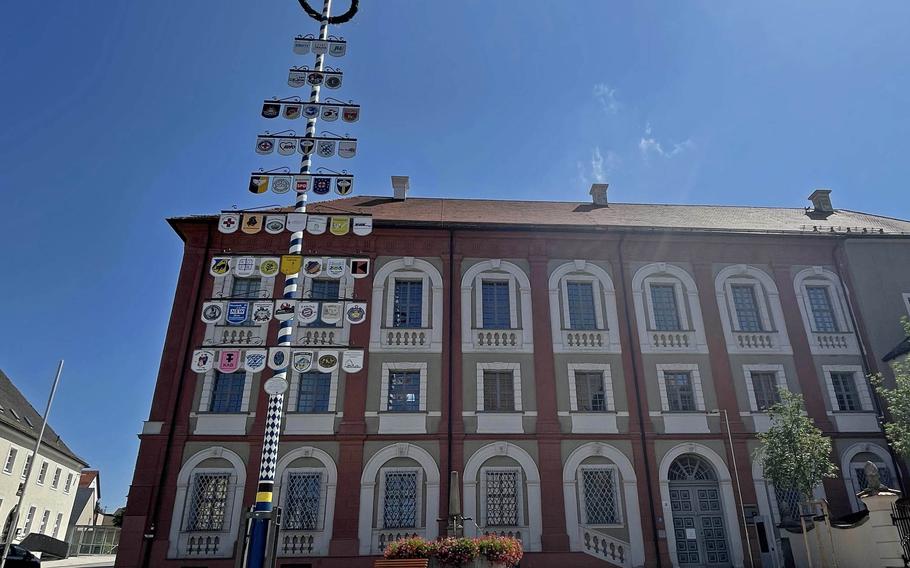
[{"x": 55, "y": 477}]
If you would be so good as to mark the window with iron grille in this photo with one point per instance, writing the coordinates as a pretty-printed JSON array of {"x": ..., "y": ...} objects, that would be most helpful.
[
  {"x": 746, "y": 307},
  {"x": 324, "y": 289},
  {"x": 680, "y": 394},
  {"x": 764, "y": 384},
  {"x": 845, "y": 392},
  {"x": 788, "y": 504},
  {"x": 589, "y": 391},
  {"x": 495, "y": 306},
  {"x": 246, "y": 287},
  {"x": 227, "y": 392},
  {"x": 10, "y": 460},
  {"x": 581, "y": 307},
  {"x": 208, "y": 502},
  {"x": 313, "y": 393},
  {"x": 503, "y": 490},
  {"x": 407, "y": 303},
  {"x": 399, "y": 506},
  {"x": 859, "y": 474},
  {"x": 600, "y": 497},
  {"x": 666, "y": 312},
  {"x": 498, "y": 391},
  {"x": 304, "y": 497},
  {"x": 404, "y": 391},
  {"x": 822, "y": 310}
]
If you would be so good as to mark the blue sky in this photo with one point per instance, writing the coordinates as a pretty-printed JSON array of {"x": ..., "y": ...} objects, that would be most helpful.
[{"x": 118, "y": 114}]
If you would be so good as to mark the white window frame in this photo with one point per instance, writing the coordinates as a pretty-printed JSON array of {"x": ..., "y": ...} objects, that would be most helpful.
[
  {"x": 522, "y": 522},
  {"x": 760, "y": 301},
  {"x": 862, "y": 388},
  {"x": 228, "y": 499},
  {"x": 68, "y": 486},
  {"x": 294, "y": 391},
  {"x": 42, "y": 473},
  {"x": 682, "y": 311},
  {"x": 697, "y": 391},
  {"x": 779, "y": 376},
  {"x": 424, "y": 297},
  {"x": 55, "y": 481},
  {"x": 29, "y": 519},
  {"x": 387, "y": 368},
  {"x": 9, "y": 466},
  {"x": 617, "y": 496},
  {"x": 208, "y": 387},
  {"x": 45, "y": 519},
  {"x": 818, "y": 276},
  {"x": 345, "y": 285},
  {"x": 57, "y": 523},
  {"x": 323, "y": 481},
  {"x": 478, "y": 297},
  {"x": 516, "y": 383},
  {"x": 598, "y": 300},
  {"x": 607, "y": 380},
  {"x": 221, "y": 286},
  {"x": 28, "y": 459},
  {"x": 419, "y": 521}
]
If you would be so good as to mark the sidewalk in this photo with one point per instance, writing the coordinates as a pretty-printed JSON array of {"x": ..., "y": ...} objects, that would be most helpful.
[{"x": 83, "y": 561}]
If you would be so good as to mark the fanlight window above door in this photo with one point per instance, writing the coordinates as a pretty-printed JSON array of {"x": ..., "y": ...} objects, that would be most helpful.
[{"x": 691, "y": 468}]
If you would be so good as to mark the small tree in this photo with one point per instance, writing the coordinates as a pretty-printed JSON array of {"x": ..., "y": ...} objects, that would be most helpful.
[{"x": 897, "y": 429}]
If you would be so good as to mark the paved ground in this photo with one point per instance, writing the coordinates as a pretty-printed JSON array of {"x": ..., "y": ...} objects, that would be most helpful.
[{"x": 81, "y": 561}]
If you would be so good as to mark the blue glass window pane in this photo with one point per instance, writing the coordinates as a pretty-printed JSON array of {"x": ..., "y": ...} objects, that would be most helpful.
[
  {"x": 495, "y": 304},
  {"x": 666, "y": 312},
  {"x": 227, "y": 392},
  {"x": 404, "y": 391},
  {"x": 822, "y": 311},
  {"x": 581, "y": 305},
  {"x": 313, "y": 395},
  {"x": 408, "y": 303},
  {"x": 746, "y": 308}
]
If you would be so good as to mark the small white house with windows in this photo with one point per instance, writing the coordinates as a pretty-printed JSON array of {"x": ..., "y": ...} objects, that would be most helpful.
[{"x": 54, "y": 482}]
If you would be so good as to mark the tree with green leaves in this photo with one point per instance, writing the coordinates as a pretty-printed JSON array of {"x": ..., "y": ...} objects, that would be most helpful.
[{"x": 897, "y": 429}]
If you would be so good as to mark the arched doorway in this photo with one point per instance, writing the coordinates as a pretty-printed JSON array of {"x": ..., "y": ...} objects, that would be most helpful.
[{"x": 698, "y": 513}]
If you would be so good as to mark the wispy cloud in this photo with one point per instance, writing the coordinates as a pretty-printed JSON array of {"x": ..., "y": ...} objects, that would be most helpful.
[
  {"x": 649, "y": 145},
  {"x": 606, "y": 96},
  {"x": 599, "y": 167}
]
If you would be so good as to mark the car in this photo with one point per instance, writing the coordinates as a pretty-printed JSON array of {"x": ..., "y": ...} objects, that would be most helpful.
[{"x": 20, "y": 558}]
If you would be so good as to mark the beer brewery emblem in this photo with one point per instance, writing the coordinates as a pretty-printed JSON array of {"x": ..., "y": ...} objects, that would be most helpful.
[
  {"x": 254, "y": 360},
  {"x": 330, "y": 113},
  {"x": 296, "y": 78},
  {"x": 278, "y": 358},
  {"x": 220, "y": 266},
  {"x": 312, "y": 266},
  {"x": 229, "y": 361},
  {"x": 262, "y": 312},
  {"x": 296, "y": 222},
  {"x": 352, "y": 361},
  {"x": 322, "y": 185},
  {"x": 355, "y": 312},
  {"x": 344, "y": 185},
  {"x": 237, "y": 312},
  {"x": 347, "y": 148},
  {"x": 327, "y": 361},
  {"x": 212, "y": 312},
  {"x": 252, "y": 223},
  {"x": 265, "y": 145},
  {"x": 287, "y": 146},
  {"x": 331, "y": 312},
  {"x": 244, "y": 266},
  {"x": 307, "y": 312},
  {"x": 292, "y": 112},
  {"x": 270, "y": 110},
  {"x": 320, "y": 46},
  {"x": 315, "y": 78},
  {"x": 228, "y": 222},
  {"x": 340, "y": 226},
  {"x": 326, "y": 148},
  {"x": 268, "y": 266},
  {"x": 281, "y": 184},
  {"x": 259, "y": 184},
  {"x": 203, "y": 360},
  {"x": 290, "y": 264},
  {"x": 360, "y": 267},
  {"x": 333, "y": 81},
  {"x": 350, "y": 114},
  {"x": 311, "y": 110},
  {"x": 285, "y": 309},
  {"x": 274, "y": 224},
  {"x": 301, "y": 45},
  {"x": 302, "y": 183},
  {"x": 302, "y": 361},
  {"x": 335, "y": 267},
  {"x": 362, "y": 226},
  {"x": 337, "y": 48},
  {"x": 316, "y": 224},
  {"x": 306, "y": 146}
]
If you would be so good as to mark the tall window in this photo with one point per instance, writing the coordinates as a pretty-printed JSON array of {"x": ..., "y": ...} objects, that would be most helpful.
[
  {"x": 822, "y": 310},
  {"x": 600, "y": 497},
  {"x": 764, "y": 384},
  {"x": 399, "y": 507},
  {"x": 746, "y": 307},
  {"x": 589, "y": 391},
  {"x": 29, "y": 517},
  {"x": 404, "y": 391},
  {"x": 227, "y": 392},
  {"x": 10, "y": 460},
  {"x": 69, "y": 483},
  {"x": 208, "y": 502},
  {"x": 581, "y": 305},
  {"x": 324, "y": 289},
  {"x": 408, "y": 303},
  {"x": 56, "y": 480},
  {"x": 303, "y": 500},
  {"x": 25, "y": 466},
  {"x": 42, "y": 473},
  {"x": 313, "y": 394},
  {"x": 246, "y": 287},
  {"x": 859, "y": 474},
  {"x": 495, "y": 304},
  {"x": 57, "y": 525},
  {"x": 498, "y": 391},
  {"x": 503, "y": 488},
  {"x": 45, "y": 518},
  {"x": 666, "y": 312},
  {"x": 680, "y": 394},
  {"x": 845, "y": 392}
]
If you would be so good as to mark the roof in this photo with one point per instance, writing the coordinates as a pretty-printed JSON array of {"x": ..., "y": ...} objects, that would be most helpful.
[
  {"x": 902, "y": 348},
  {"x": 28, "y": 422},
  {"x": 88, "y": 476},
  {"x": 573, "y": 214}
]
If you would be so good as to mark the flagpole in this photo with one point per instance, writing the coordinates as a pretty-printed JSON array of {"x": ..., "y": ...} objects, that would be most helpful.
[{"x": 278, "y": 384}]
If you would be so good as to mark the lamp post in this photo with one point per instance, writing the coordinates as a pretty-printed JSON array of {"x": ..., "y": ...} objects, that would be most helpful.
[{"x": 739, "y": 489}]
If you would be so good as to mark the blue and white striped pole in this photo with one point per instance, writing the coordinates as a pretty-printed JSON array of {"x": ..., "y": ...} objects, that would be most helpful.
[{"x": 278, "y": 384}]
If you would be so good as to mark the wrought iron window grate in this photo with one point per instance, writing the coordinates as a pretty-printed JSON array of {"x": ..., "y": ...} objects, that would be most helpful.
[
  {"x": 399, "y": 508},
  {"x": 600, "y": 496},
  {"x": 502, "y": 498},
  {"x": 208, "y": 502},
  {"x": 303, "y": 500}
]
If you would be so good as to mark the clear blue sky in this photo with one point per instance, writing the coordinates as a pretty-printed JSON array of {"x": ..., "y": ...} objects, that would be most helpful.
[{"x": 118, "y": 114}]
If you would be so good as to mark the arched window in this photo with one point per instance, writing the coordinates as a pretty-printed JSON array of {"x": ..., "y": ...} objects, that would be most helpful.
[
  {"x": 750, "y": 310},
  {"x": 691, "y": 468},
  {"x": 853, "y": 463},
  {"x": 667, "y": 310},
  {"x": 825, "y": 313},
  {"x": 496, "y": 308},
  {"x": 407, "y": 297},
  {"x": 583, "y": 309}
]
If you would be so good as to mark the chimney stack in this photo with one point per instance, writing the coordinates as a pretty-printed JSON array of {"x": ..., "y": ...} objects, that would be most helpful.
[
  {"x": 821, "y": 201},
  {"x": 400, "y": 186},
  {"x": 599, "y": 193}
]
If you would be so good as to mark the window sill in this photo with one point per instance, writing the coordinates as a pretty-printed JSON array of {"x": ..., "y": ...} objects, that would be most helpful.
[
  {"x": 402, "y": 422},
  {"x": 500, "y": 422},
  {"x": 685, "y": 422},
  {"x": 221, "y": 423},
  {"x": 856, "y": 421},
  {"x": 310, "y": 423},
  {"x": 594, "y": 422}
]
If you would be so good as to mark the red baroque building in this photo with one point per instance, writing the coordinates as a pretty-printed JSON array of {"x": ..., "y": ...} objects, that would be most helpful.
[{"x": 579, "y": 365}]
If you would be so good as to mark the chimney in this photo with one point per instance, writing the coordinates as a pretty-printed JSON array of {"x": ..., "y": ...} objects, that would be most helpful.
[
  {"x": 400, "y": 186},
  {"x": 599, "y": 193},
  {"x": 821, "y": 201}
]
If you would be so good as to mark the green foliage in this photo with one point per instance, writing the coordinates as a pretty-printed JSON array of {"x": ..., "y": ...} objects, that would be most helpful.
[
  {"x": 897, "y": 429},
  {"x": 794, "y": 453}
]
